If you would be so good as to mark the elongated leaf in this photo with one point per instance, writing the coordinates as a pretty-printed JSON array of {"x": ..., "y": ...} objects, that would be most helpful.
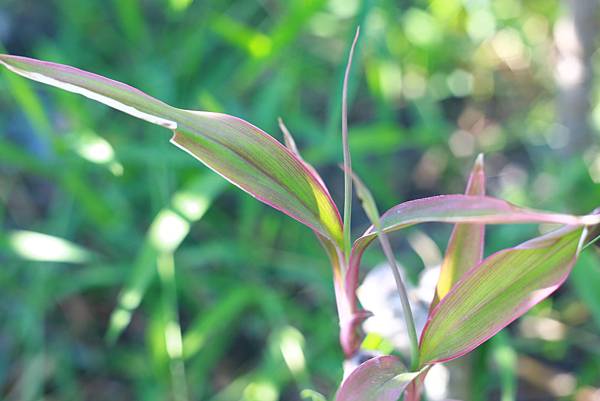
[
  {"x": 234, "y": 148},
  {"x": 383, "y": 378},
  {"x": 455, "y": 209},
  {"x": 497, "y": 291},
  {"x": 465, "y": 250},
  {"x": 465, "y": 247}
]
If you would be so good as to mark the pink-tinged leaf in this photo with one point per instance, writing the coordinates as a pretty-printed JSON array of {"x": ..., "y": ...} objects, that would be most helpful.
[
  {"x": 498, "y": 291},
  {"x": 290, "y": 143},
  {"x": 465, "y": 250},
  {"x": 383, "y": 378},
  {"x": 454, "y": 209},
  {"x": 465, "y": 247},
  {"x": 348, "y": 314},
  {"x": 240, "y": 152}
]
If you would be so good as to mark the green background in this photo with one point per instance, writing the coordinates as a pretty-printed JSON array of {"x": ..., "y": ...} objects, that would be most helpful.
[{"x": 434, "y": 83}]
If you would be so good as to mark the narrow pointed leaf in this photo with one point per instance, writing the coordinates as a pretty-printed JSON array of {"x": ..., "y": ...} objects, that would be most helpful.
[
  {"x": 234, "y": 148},
  {"x": 465, "y": 250},
  {"x": 498, "y": 291},
  {"x": 288, "y": 139},
  {"x": 455, "y": 209},
  {"x": 346, "y": 151},
  {"x": 290, "y": 143},
  {"x": 465, "y": 247},
  {"x": 383, "y": 378}
]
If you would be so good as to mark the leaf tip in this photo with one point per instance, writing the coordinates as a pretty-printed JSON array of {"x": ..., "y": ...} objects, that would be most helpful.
[
  {"x": 357, "y": 34},
  {"x": 288, "y": 139},
  {"x": 479, "y": 162}
]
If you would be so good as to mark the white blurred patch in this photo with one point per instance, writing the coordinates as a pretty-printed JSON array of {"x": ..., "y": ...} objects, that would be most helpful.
[
  {"x": 436, "y": 383},
  {"x": 378, "y": 295},
  {"x": 168, "y": 230},
  {"x": 46, "y": 248}
]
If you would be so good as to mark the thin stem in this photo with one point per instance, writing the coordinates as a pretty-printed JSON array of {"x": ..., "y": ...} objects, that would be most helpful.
[
  {"x": 347, "y": 157},
  {"x": 591, "y": 242},
  {"x": 372, "y": 212},
  {"x": 408, "y": 316}
]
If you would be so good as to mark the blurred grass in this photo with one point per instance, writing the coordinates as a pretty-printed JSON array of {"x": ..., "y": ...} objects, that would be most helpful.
[{"x": 436, "y": 82}]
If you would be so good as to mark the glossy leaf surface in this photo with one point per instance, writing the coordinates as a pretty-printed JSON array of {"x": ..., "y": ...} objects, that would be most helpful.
[
  {"x": 496, "y": 292},
  {"x": 234, "y": 148},
  {"x": 465, "y": 246},
  {"x": 383, "y": 378},
  {"x": 455, "y": 209}
]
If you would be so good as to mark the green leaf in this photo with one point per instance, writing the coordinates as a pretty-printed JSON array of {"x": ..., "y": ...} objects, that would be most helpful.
[
  {"x": 383, "y": 378},
  {"x": 346, "y": 151},
  {"x": 498, "y": 291},
  {"x": 240, "y": 152},
  {"x": 465, "y": 247},
  {"x": 454, "y": 209}
]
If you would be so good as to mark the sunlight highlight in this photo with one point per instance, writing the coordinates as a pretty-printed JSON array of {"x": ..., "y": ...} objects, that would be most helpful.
[
  {"x": 191, "y": 205},
  {"x": 168, "y": 230},
  {"x": 261, "y": 390},
  {"x": 291, "y": 346},
  {"x": 46, "y": 248}
]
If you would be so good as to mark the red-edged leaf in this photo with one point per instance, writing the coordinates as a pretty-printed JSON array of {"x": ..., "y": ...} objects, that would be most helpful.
[
  {"x": 455, "y": 209},
  {"x": 234, "y": 148},
  {"x": 497, "y": 291},
  {"x": 465, "y": 247},
  {"x": 383, "y": 378}
]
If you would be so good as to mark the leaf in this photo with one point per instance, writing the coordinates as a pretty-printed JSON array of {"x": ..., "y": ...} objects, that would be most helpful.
[
  {"x": 290, "y": 143},
  {"x": 240, "y": 152},
  {"x": 383, "y": 378},
  {"x": 454, "y": 209},
  {"x": 346, "y": 151},
  {"x": 498, "y": 291},
  {"x": 465, "y": 247}
]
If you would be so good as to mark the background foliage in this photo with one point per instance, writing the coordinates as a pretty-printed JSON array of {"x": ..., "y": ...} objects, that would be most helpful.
[{"x": 236, "y": 303}]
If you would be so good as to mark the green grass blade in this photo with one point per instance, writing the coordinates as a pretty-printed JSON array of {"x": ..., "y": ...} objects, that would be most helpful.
[
  {"x": 187, "y": 206},
  {"x": 171, "y": 325},
  {"x": 346, "y": 150}
]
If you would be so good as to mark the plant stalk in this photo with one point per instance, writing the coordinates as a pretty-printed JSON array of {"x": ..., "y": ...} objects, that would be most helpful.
[
  {"x": 408, "y": 316},
  {"x": 347, "y": 157},
  {"x": 372, "y": 212}
]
